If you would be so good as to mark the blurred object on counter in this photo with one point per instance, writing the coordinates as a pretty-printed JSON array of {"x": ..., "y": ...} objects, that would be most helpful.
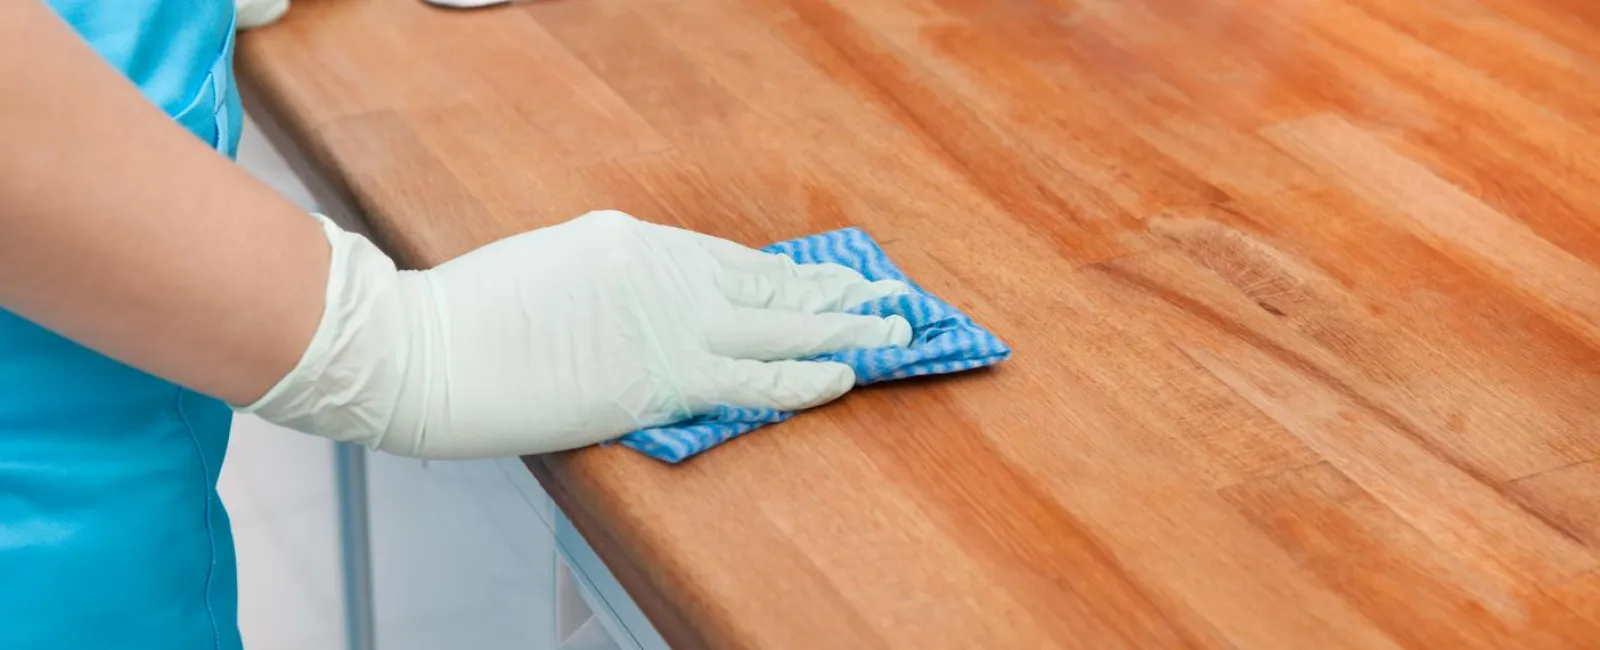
[{"x": 256, "y": 13}]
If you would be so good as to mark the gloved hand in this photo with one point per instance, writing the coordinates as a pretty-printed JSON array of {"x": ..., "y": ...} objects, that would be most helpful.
[{"x": 568, "y": 336}]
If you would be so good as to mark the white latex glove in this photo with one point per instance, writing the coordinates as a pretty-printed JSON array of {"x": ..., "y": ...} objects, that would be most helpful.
[
  {"x": 568, "y": 336},
  {"x": 251, "y": 14}
]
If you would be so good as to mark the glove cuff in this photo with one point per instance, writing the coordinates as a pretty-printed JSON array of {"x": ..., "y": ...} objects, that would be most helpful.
[{"x": 346, "y": 383}]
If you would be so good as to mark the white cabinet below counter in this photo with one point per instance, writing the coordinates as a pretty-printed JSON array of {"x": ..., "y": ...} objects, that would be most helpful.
[{"x": 475, "y": 555}]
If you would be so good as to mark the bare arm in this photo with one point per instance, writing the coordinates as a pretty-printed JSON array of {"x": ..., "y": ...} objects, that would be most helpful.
[{"x": 122, "y": 231}]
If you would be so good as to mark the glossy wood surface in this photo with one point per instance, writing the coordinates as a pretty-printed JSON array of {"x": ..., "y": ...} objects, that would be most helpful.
[{"x": 1303, "y": 293}]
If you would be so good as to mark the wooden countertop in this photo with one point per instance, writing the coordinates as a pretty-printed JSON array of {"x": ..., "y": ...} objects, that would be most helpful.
[{"x": 1303, "y": 295}]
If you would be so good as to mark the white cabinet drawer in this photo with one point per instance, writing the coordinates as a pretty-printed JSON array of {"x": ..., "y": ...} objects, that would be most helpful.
[
  {"x": 578, "y": 625},
  {"x": 459, "y": 559},
  {"x": 616, "y": 611},
  {"x": 522, "y": 480},
  {"x": 475, "y": 555}
]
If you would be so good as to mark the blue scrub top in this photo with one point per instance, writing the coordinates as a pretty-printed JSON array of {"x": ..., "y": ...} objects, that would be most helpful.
[{"x": 111, "y": 532}]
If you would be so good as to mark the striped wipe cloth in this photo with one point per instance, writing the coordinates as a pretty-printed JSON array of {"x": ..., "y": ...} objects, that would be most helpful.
[{"x": 943, "y": 340}]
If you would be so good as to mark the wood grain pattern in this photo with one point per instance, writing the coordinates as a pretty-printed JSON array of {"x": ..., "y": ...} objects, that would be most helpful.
[{"x": 1304, "y": 295}]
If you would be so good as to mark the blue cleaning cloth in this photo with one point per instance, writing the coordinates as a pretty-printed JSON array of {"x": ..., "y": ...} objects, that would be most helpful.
[{"x": 943, "y": 340}]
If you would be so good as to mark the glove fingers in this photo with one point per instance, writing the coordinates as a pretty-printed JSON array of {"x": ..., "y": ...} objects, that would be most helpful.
[
  {"x": 825, "y": 290},
  {"x": 758, "y": 279},
  {"x": 752, "y": 278},
  {"x": 732, "y": 255},
  {"x": 770, "y": 335},
  {"x": 780, "y": 385}
]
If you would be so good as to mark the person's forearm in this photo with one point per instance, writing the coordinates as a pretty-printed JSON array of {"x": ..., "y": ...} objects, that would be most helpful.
[{"x": 123, "y": 232}]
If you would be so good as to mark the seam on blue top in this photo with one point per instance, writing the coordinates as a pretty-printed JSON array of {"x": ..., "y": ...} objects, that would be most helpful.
[
  {"x": 218, "y": 80},
  {"x": 221, "y": 78},
  {"x": 211, "y": 537},
  {"x": 220, "y": 109}
]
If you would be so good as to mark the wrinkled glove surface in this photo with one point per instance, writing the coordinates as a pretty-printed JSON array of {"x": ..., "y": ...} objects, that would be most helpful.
[{"x": 568, "y": 336}]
